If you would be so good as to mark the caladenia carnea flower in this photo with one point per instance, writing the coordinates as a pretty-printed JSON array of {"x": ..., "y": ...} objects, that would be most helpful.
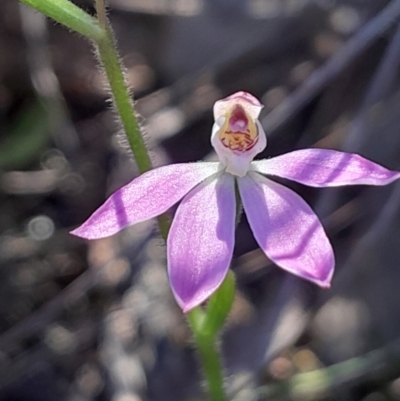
[{"x": 201, "y": 238}]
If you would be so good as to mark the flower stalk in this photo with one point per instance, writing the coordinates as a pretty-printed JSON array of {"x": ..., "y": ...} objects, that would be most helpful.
[
  {"x": 122, "y": 100},
  {"x": 206, "y": 325}
]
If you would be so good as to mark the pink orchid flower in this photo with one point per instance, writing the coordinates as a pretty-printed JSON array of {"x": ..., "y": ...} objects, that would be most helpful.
[{"x": 201, "y": 239}]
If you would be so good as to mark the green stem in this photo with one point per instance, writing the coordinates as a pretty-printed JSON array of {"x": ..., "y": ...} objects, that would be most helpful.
[
  {"x": 68, "y": 14},
  {"x": 123, "y": 102},
  {"x": 209, "y": 356},
  {"x": 206, "y": 325}
]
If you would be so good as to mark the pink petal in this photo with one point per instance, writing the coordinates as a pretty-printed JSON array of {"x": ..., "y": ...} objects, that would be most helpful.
[
  {"x": 145, "y": 197},
  {"x": 287, "y": 229},
  {"x": 326, "y": 168},
  {"x": 200, "y": 241}
]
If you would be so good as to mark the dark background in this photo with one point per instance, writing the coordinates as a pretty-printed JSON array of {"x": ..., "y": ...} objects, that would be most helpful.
[{"x": 96, "y": 321}]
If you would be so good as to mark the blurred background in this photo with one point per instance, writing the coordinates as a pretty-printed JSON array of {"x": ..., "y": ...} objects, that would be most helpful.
[{"x": 96, "y": 321}]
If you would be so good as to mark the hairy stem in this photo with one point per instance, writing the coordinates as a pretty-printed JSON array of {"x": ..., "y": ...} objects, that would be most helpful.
[
  {"x": 123, "y": 102},
  {"x": 209, "y": 356},
  {"x": 206, "y": 325}
]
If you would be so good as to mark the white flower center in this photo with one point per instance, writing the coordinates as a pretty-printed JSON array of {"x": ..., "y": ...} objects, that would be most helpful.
[{"x": 237, "y": 138}]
